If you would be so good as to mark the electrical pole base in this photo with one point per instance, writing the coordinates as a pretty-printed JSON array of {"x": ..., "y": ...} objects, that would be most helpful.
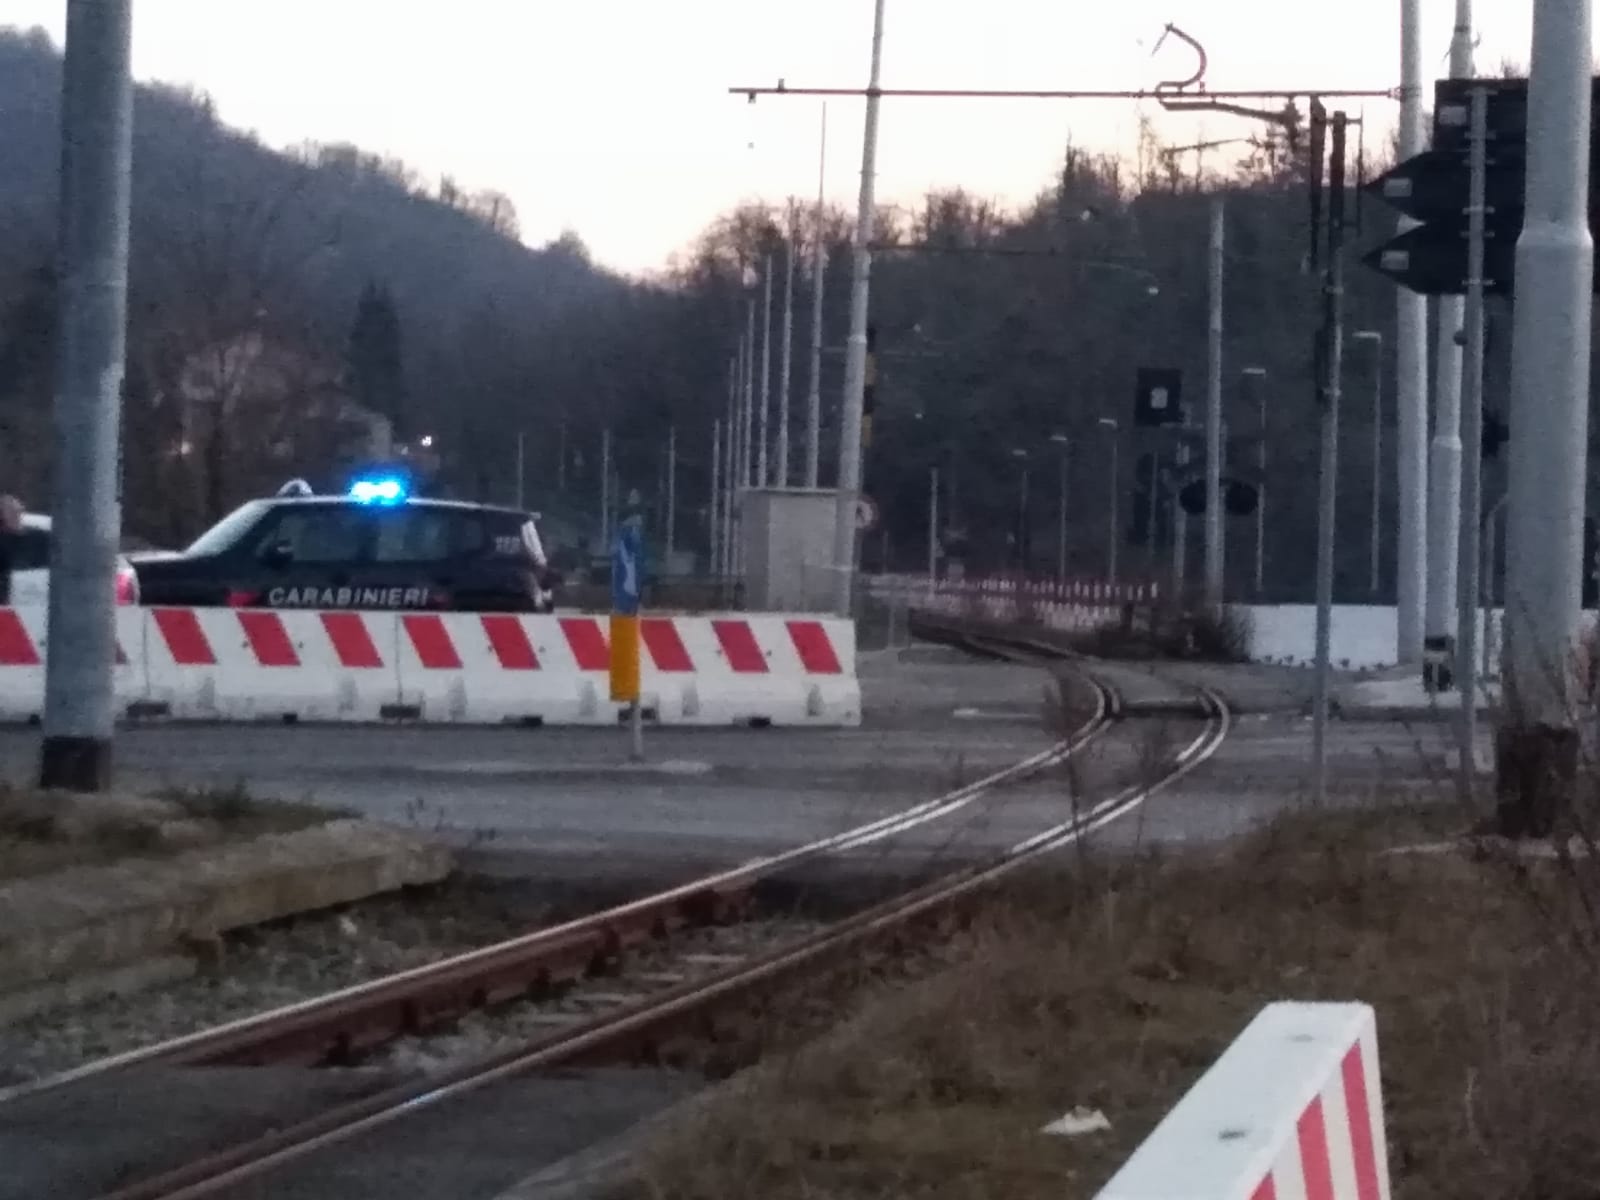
[
  {"x": 1438, "y": 663},
  {"x": 1536, "y": 777},
  {"x": 75, "y": 764}
]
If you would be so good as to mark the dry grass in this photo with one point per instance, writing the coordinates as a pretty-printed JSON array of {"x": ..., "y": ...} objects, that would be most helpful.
[
  {"x": 42, "y": 832},
  {"x": 1116, "y": 989}
]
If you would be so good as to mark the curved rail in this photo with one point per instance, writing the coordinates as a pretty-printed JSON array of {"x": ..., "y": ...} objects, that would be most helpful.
[
  {"x": 348, "y": 1022},
  {"x": 645, "y": 1022}
]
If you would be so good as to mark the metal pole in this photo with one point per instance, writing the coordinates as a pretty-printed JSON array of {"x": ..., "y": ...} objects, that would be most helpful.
[
  {"x": 672, "y": 488},
  {"x": 933, "y": 531},
  {"x": 1411, "y": 377},
  {"x": 522, "y": 438},
  {"x": 1327, "y": 481},
  {"x": 1471, "y": 437},
  {"x": 1023, "y": 539},
  {"x": 763, "y": 435},
  {"x": 1061, "y": 526},
  {"x": 844, "y": 524},
  {"x": 818, "y": 267},
  {"x": 1374, "y": 539},
  {"x": 1180, "y": 527},
  {"x": 747, "y": 416},
  {"x": 1375, "y": 550},
  {"x": 714, "y": 509},
  {"x": 92, "y": 230},
  {"x": 1214, "y": 537},
  {"x": 1155, "y": 511},
  {"x": 1550, "y": 411},
  {"x": 1444, "y": 510},
  {"x": 730, "y": 442},
  {"x": 1112, "y": 529},
  {"x": 605, "y": 488},
  {"x": 1258, "y": 373},
  {"x": 786, "y": 359},
  {"x": 561, "y": 459}
]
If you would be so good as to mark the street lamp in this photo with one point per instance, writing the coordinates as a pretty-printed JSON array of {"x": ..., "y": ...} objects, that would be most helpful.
[
  {"x": 1258, "y": 374},
  {"x": 1062, "y": 440},
  {"x": 1111, "y": 424},
  {"x": 1376, "y": 338},
  {"x": 1022, "y": 513}
]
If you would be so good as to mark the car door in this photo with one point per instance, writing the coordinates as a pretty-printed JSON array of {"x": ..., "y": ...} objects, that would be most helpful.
[
  {"x": 415, "y": 561},
  {"x": 308, "y": 556}
]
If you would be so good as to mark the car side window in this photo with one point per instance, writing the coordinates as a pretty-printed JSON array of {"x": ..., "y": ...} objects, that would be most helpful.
[
  {"x": 421, "y": 535},
  {"x": 31, "y": 551},
  {"x": 317, "y": 535}
]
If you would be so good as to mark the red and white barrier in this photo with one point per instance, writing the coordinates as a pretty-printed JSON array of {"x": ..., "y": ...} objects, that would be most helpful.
[
  {"x": 22, "y": 655},
  {"x": 1293, "y": 1110},
  {"x": 482, "y": 668},
  {"x": 1070, "y": 606}
]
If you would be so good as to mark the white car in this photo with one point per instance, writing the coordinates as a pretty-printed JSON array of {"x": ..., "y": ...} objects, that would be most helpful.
[{"x": 30, "y": 567}]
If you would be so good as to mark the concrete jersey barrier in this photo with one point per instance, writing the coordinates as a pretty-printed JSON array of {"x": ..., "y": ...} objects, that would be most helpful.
[
  {"x": 1293, "y": 1110},
  {"x": 239, "y": 664}
]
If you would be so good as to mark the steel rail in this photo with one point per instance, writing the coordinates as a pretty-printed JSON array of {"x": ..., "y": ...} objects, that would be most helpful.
[
  {"x": 344, "y": 1023},
  {"x": 657, "y": 1016}
]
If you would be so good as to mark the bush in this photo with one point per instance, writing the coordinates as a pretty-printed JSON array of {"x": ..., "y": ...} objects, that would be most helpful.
[{"x": 1206, "y": 635}]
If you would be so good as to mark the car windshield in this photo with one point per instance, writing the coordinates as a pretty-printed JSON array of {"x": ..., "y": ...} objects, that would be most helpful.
[{"x": 229, "y": 530}]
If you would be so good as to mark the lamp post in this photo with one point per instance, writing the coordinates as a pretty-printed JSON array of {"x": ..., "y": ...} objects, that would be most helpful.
[
  {"x": 1259, "y": 374},
  {"x": 1111, "y": 424},
  {"x": 1374, "y": 550},
  {"x": 1022, "y": 512},
  {"x": 1062, "y": 440}
]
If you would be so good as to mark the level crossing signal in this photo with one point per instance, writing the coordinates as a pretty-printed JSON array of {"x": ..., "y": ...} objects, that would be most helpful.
[{"x": 1432, "y": 188}]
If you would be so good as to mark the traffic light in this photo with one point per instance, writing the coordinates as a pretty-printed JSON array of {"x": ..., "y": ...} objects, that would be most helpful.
[
  {"x": 1431, "y": 187},
  {"x": 1158, "y": 397},
  {"x": 1495, "y": 433}
]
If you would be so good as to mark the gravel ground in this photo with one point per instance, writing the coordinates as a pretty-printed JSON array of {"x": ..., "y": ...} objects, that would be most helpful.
[
  {"x": 270, "y": 966},
  {"x": 689, "y": 955}
]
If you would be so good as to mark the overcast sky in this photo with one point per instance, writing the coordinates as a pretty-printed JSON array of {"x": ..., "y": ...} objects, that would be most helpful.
[{"x": 612, "y": 117}]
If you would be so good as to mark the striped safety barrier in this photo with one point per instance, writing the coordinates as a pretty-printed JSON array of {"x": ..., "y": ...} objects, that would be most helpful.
[
  {"x": 1069, "y": 606},
  {"x": 1293, "y": 1110},
  {"x": 489, "y": 668}
]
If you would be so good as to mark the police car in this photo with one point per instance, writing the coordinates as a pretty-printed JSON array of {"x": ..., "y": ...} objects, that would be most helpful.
[{"x": 374, "y": 547}]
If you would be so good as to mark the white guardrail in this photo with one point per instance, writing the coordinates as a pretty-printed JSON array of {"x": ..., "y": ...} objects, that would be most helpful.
[
  {"x": 1293, "y": 1110},
  {"x": 240, "y": 664}
]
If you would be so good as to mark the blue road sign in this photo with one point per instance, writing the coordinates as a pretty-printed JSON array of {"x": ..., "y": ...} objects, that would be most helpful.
[{"x": 627, "y": 569}]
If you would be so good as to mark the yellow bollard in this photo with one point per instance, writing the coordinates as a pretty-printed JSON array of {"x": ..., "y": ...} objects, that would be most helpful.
[{"x": 624, "y": 658}]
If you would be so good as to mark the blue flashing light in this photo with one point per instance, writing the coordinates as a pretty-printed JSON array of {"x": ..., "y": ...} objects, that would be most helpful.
[{"x": 382, "y": 490}]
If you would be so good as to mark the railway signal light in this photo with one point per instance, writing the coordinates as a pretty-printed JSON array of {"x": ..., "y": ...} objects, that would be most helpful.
[
  {"x": 1158, "y": 397},
  {"x": 1431, "y": 187}
]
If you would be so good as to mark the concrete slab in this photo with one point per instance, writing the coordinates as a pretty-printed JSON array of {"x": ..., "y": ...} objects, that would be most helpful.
[
  {"x": 1405, "y": 699},
  {"x": 91, "y": 918}
]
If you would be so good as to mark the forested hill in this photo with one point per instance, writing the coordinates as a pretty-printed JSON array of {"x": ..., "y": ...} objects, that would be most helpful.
[
  {"x": 236, "y": 244},
  {"x": 272, "y": 293}
]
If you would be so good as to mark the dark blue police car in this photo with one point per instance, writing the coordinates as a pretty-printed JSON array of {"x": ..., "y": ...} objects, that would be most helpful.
[{"x": 374, "y": 547}]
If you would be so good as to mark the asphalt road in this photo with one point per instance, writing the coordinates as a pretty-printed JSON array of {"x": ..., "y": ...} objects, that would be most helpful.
[{"x": 567, "y": 802}]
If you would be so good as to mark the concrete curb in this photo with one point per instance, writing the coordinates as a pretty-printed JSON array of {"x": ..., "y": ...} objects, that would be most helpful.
[{"x": 86, "y": 919}]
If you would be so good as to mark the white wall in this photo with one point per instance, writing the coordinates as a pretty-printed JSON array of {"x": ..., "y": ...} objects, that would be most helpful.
[{"x": 1363, "y": 635}]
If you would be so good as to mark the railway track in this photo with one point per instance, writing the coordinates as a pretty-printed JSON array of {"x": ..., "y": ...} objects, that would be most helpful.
[{"x": 704, "y": 969}]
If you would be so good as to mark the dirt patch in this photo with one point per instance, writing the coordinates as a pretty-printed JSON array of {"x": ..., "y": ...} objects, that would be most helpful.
[
  {"x": 1114, "y": 988},
  {"x": 42, "y": 832}
]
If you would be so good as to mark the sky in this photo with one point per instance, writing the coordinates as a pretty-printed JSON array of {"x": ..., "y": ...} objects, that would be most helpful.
[{"x": 612, "y": 117}]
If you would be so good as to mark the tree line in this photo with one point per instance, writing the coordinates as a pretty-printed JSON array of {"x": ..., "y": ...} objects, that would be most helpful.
[{"x": 279, "y": 301}]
